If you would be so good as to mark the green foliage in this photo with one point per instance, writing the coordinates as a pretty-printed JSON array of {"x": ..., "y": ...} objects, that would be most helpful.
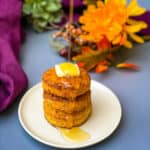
[
  {"x": 42, "y": 13},
  {"x": 90, "y": 59}
]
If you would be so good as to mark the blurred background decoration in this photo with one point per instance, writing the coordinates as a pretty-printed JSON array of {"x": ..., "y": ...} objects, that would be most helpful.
[
  {"x": 43, "y": 14},
  {"x": 97, "y": 32}
]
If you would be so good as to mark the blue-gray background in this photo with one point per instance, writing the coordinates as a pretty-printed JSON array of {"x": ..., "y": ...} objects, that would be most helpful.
[{"x": 131, "y": 87}]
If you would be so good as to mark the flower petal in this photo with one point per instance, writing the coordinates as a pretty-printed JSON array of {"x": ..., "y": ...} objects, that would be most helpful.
[
  {"x": 103, "y": 44},
  {"x": 134, "y": 9},
  {"x": 128, "y": 44},
  {"x": 135, "y": 22},
  {"x": 136, "y": 38},
  {"x": 117, "y": 1},
  {"x": 120, "y": 39},
  {"x": 101, "y": 68},
  {"x": 116, "y": 40},
  {"x": 127, "y": 66},
  {"x": 135, "y": 28},
  {"x": 123, "y": 38}
]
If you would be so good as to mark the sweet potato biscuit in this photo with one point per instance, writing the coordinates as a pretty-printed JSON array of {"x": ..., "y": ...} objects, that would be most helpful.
[
  {"x": 66, "y": 120},
  {"x": 67, "y": 104},
  {"x": 66, "y": 100},
  {"x": 71, "y": 86}
]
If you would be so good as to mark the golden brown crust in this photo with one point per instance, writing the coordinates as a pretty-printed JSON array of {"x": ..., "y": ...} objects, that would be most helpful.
[
  {"x": 66, "y": 86},
  {"x": 74, "y": 105},
  {"x": 60, "y": 119}
]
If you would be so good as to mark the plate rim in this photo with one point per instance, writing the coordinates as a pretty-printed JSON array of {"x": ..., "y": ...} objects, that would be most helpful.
[{"x": 93, "y": 142}]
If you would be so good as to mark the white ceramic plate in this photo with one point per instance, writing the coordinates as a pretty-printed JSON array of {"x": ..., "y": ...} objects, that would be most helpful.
[{"x": 104, "y": 120}]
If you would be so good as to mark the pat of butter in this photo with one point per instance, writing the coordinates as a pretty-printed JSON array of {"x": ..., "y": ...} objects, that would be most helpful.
[{"x": 67, "y": 69}]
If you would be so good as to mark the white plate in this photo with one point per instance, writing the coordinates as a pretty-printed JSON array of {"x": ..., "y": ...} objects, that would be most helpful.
[{"x": 104, "y": 120}]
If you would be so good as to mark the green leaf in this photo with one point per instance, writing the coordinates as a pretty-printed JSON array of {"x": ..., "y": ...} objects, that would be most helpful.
[
  {"x": 53, "y": 7},
  {"x": 51, "y": 19},
  {"x": 43, "y": 3},
  {"x": 42, "y": 23},
  {"x": 91, "y": 58},
  {"x": 27, "y": 9},
  {"x": 58, "y": 18},
  {"x": 42, "y": 12},
  {"x": 36, "y": 26},
  {"x": 45, "y": 15}
]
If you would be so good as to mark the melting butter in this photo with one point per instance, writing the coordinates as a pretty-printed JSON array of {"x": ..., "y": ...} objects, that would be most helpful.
[{"x": 75, "y": 134}]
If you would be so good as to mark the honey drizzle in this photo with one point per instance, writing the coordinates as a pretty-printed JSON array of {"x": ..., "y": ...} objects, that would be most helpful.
[{"x": 75, "y": 134}]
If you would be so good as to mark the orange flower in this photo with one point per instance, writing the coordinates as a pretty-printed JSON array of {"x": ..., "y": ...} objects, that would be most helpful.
[{"x": 110, "y": 19}]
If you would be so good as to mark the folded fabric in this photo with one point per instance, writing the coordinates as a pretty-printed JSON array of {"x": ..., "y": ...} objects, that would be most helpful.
[{"x": 12, "y": 78}]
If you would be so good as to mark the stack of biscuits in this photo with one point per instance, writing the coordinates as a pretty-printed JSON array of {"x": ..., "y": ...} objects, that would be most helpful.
[{"x": 67, "y": 100}]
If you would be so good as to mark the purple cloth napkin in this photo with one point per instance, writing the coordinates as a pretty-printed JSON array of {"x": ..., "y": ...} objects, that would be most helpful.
[{"x": 12, "y": 78}]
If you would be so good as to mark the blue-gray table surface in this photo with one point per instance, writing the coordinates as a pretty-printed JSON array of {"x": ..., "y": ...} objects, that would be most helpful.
[{"x": 132, "y": 88}]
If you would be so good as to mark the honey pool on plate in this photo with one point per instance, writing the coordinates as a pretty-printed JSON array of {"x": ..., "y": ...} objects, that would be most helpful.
[{"x": 75, "y": 134}]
